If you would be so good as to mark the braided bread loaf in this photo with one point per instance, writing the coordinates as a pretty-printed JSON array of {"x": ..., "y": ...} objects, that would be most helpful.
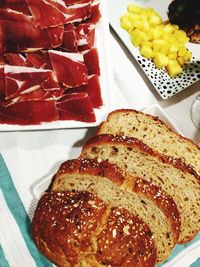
[
  {"x": 77, "y": 227},
  {"x": 141, "y": 198}
]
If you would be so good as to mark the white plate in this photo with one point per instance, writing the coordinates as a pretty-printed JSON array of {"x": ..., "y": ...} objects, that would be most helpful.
[
  {"x": 155, "y": 110},
  {"x": 162, "y": 82},
  {"x": 102, "y": 44}
]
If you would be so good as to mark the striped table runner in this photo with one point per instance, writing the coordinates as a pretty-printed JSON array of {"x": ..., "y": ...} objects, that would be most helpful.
[{"x": 17, "y": 247}]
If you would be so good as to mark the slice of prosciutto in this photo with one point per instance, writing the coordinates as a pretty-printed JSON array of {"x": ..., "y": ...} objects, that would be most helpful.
[
  {"x": 69, "y": 39},
  {"x": 56, "y": 35},
  {"x": 95, "y": 14},
  {"x": 39, "y": 59},
  {"x": 29, "y": 113},
  {"x": 10, "y": 14},
  {"x": 17, "y": 5},
  {"x": 19, "y": 32},
  {"x": 85, "y": 34},
  {"x": 58, "y": 12},
  {"x": 69, "y": 68},
  {"x": 17, "y": 59},
  {"x": 91, "y": 60},
  {"x": 21, "y": 80},
  {"x": 54, "y": 10},
  {"x": 79, "y": 12},
  {"x": 76, "y": 106},
  {"x": 22, "y": 36},
  {"x": 37, "y": 95},
  {"x": 92, "y": 89},
  {"x": 72, "y": 2}
]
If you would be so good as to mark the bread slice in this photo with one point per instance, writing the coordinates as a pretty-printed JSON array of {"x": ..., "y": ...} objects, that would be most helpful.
[
  {"x": 153, "y": 132},
  {"x": 175, "y": 178},
  {"x": 77, "y": 228},
  {"x": 141, "y": 198}
]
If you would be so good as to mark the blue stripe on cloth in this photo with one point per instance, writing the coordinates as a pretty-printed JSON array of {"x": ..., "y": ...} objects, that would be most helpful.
[
  {"x": 179, "y": 248},
  {"x": 3, "y": 261},
  {"x": 196, "y": 263},
  {"x": 19, "y": 213}
]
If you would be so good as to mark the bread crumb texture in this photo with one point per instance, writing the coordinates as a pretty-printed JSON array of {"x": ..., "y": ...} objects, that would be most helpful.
[
  {"x": 136, "y": 158},
  {"x": 153, "y": 132}
]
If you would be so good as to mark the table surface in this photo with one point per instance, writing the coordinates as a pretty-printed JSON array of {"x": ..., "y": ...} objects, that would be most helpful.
[{"x": 30, "y": 156}]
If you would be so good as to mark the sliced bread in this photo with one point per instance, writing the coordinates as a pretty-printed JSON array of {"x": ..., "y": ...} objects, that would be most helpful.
[
  {"x": 173, "y": 176},
  {"x": 141, "y": 198},
  {"x": 77, "y": 228},
  {"x": 153, "y": 132}
]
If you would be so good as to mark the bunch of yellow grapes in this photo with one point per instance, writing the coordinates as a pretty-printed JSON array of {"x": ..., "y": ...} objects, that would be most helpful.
[{"x": 164, "y": 43}]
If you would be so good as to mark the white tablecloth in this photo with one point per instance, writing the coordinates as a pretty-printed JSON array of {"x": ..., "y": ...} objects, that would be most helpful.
[{"x": 31, "y": 156}]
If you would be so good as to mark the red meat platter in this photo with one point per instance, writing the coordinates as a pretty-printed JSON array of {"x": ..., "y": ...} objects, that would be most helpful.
[{"x": 54, "y": 64}]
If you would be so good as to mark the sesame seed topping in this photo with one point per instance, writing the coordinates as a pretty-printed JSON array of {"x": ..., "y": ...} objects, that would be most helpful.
[
  {"x": 114, "y": 233},
  {"x": 126, "y": 229}
]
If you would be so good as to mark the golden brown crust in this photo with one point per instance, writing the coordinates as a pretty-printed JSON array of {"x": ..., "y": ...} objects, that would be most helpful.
[
  {"x": 134, "y": 142},
  {"x": 162, "y": 200},
  {"x": 64, "y": 223},
  {"x": 92, "y": 167},
  {"x": 127, "y": 235},
  {"x": 156, "y": 119},
  {"x": 139, "y": 185}
]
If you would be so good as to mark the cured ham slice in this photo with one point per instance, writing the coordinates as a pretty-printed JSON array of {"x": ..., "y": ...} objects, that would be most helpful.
[
  {"x": 55, "y": 12},
  {"x": 20, "y": 80},
  {"x": 27, "y": 113},
  {"x": 95, "y": 14},
  {"x": 21, "y": 36},
  {"x": 72, "y": 2},
  {"x": 18, "y": 5},
  {"x": 16, "y": 59},
  {"x": 85, "y": 34},
  {"x": 76, "y": 106},
  {"x": 36, "y": 95},
  {"x": 91, "y": 60},
  {"x": 92, "y": 89},
  {"x": 39, "y": 59},
  {"x": 56, "y": 35},
  {"x": 79, "y": 12},
  {"x": 9, "y": 14},
  {"x": 58, "y": 12},
  {"x": 7, "y": 118},
  {"x": 2, "y": 83},
  {"x": 69, "y": 38},
  {"x": 69, "y": 68}
]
